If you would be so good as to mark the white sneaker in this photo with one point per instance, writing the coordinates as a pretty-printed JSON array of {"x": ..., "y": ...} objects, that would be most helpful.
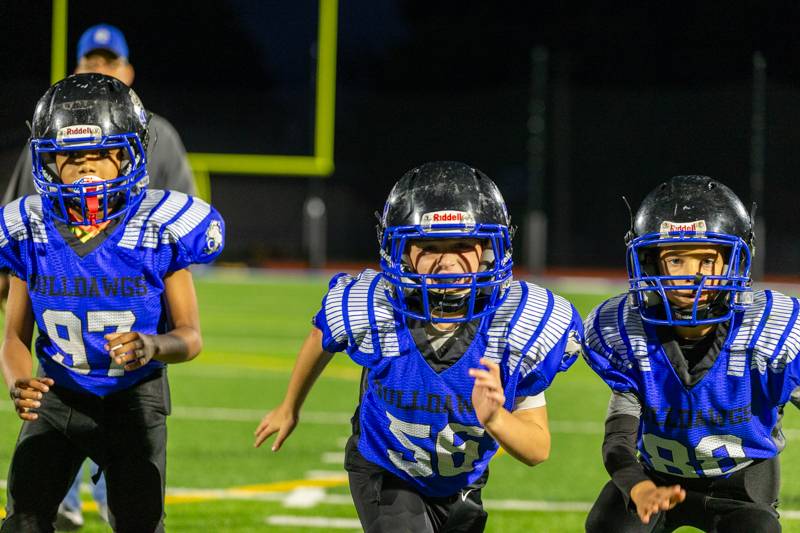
[{"x": 68, "y": 519}]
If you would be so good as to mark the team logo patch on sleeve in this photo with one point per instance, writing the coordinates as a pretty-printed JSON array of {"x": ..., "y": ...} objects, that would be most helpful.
[
  {"x": 213, "y": 237},
  {"x": 574, "y": 346}
]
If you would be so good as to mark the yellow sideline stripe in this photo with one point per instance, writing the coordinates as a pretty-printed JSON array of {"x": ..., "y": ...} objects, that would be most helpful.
[{"x": 278, "y": 486}]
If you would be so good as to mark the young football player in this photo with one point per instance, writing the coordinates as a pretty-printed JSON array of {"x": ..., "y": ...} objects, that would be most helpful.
[
  {"x": 99, "y": 265},
  {"x": 456, "y": 355},
  {"x": 699, "y": 365}
]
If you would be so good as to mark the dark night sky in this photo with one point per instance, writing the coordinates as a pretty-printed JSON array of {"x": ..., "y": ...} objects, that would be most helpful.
[{"x": 637, "y": 93}]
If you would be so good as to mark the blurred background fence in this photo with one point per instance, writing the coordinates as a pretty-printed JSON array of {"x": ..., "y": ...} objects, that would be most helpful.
[{"x": 621, "y": 98}]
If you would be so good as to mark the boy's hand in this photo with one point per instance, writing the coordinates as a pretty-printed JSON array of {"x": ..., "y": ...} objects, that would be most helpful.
[
  {"x": 487, "y": 393},
  {"x": 281, "y": 420},
  {"x": 26, "y": 395},
  {"x": 131, "y": 349},
  {"x": 650, "y": 499}
]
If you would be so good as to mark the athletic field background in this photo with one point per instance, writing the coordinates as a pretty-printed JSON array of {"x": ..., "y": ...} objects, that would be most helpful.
[{"x": 253, "y": 324}]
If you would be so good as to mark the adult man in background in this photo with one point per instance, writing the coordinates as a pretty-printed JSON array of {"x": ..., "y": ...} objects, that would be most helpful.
[{"x": 103, "y": 49}]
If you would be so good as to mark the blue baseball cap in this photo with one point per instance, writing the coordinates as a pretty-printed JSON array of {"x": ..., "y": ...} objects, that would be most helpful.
[{"x": 103, "y": 37}]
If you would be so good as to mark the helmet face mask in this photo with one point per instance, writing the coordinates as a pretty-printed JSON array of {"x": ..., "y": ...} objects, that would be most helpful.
[
  {"x": 708, "y": 215},
  {"x": 89, "y": 113},
  {"x": 716, "y": 296},
  {"x": 421, "y": 207}
]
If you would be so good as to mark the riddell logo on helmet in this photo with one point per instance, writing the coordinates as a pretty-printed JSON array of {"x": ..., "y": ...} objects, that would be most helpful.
[
  {"x": 79, "y": 133},
  {"x": 447, "y": 217},
  {"x": 79, "y": 130},
  {"x": 697, "y": 226}
]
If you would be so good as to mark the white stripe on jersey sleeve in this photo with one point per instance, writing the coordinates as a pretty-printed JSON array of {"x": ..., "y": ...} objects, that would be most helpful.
[
  {"x": 779, "y": 325},
  {"x": 607, "y": 333},
  {"x": 737, "y": 359},
  {"x": 166, "y": 211},
  {"x": 333, "y": 309},
  {"x": 553, "y": 332},
  {"x": 358, "y": 312},
  {"x": 518, "y": 336},
  {"x": 384, "y": 318},
  {"x": 498, "y": 330},
  {"x": 634, "y": 327},
  {"x": 33, "y": 207},
  {"x": 134, "y": 225},
  {"x": 189, "y": 219},
  {"x": 12, "y": 216}
]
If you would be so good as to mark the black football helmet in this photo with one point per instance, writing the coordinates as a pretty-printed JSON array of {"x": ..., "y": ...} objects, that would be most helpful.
[
  {"x": 690, "y": 210},
  {"x": 89, "y": 112},
  {"x": 445, "y": 200}
]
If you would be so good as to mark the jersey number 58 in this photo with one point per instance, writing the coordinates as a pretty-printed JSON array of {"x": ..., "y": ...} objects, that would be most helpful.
[{"x": 446, "y": 447}]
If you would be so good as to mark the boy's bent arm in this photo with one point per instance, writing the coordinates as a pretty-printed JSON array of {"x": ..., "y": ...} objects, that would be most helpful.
[
  {"x": 15, "y": 355},
  {"x": 621, "y": 460},
  {"x": 524, "y": 434},
  {"x": 310, "y": 363},
  {"x": 182, "y": 343}
]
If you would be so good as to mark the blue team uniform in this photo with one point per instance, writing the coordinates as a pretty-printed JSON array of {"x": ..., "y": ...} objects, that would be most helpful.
[
  {"x": 731, "y": 416},
  {"x": 418, "y": 424},
  {"x": 116, "y": 287}
]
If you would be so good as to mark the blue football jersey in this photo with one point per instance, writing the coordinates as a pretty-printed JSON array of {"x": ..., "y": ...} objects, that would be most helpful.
[
  {"x": 418, "y": 424},
  {"x": 118, "y": 286},
  {"x": 726, "y": 420}
]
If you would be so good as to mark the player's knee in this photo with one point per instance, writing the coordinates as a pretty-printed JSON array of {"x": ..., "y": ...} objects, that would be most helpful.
[
  {"x": 603, "y": 520},
  {"x": 27, "y": 523},
  {"x": 391, "y": 524},
  {"x": 598, "y": 522},
  {"x": 750, "y": 520}
]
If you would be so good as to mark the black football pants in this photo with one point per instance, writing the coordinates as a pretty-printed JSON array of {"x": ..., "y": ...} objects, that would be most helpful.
[
  {"x": 743, "y": 502},
  {"x": 125, "y": 433},
  {"x": 387, "y": 504}
]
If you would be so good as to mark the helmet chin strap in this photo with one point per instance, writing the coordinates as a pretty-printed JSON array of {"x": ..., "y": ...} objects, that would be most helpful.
[
  {"x": 448, "y": 301},
  {"x": 92, "y": 202},
  {"x": 443, "y": 302}
]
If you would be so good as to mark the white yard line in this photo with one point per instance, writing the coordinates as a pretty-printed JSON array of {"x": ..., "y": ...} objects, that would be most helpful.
[
  {"x": 227, "y": 414},
  {"x": 323, "y": 474},
  {"x": 304, "y": 497},
  {"x": 332, "y": 418},
  {"x": 313, "y": 521},
  {"x": 333, "y": 458},
  {"x": 343, "y": 499},
  {"x": 537, "y": 505}
]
